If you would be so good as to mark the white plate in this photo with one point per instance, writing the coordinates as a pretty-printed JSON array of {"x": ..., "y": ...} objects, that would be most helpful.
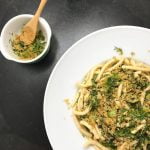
[{"x": 73, "y": 65}]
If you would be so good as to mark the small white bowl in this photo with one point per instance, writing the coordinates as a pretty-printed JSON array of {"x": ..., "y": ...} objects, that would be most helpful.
[{"x": 13, "y": 26}]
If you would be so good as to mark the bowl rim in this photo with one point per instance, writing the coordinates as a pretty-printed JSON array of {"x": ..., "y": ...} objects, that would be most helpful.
[{"x": 44, "y": 24}]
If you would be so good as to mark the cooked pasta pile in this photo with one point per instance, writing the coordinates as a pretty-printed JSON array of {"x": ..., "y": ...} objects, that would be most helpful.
[{"x": 112, "y": 105}]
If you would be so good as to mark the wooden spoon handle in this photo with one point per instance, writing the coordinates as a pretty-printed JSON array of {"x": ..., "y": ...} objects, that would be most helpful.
[{"x": 41, "y": 6}]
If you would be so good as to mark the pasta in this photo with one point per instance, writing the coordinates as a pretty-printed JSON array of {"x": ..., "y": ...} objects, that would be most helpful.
[{"x": 112, "y": 105}]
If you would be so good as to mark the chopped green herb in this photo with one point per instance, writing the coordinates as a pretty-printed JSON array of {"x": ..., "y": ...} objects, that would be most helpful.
[
  {"x": 123, "y": 132},
  {"x": 112, "y": 113},
  {"x": 110, "y": 144},
  {"x": 139, "y": 84},
  {"x": 111, "y": 82},
  {"x": 142, "y": 136},
  {"x": 118, "y": 50},
  {"x": 94, "y": 102},
  {"x": 138, "y": 113}
]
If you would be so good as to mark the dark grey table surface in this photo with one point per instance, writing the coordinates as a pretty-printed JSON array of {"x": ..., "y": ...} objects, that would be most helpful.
[{"x": 22, "y": 86}]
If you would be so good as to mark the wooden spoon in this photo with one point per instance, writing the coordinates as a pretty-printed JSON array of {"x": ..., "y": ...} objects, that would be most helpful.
[{"x": 30, "y": 29}]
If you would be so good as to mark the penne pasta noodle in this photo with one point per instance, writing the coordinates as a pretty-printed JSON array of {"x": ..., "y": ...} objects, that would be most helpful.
[
  {"x": 119, "y": 90},
  {"x": 105, "y": 67},
  {"x": 117, "y": 65},
  {"x": 136, "y": 68},
  {"x": 81, "y": 129},
  {"x": 81, "y": 113},
  {"x": 95, "y": 143},
  {"x": 92, "y": 129}
]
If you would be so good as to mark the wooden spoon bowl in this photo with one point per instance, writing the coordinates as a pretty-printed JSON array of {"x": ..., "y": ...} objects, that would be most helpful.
[{"x": 29, "y": 31}]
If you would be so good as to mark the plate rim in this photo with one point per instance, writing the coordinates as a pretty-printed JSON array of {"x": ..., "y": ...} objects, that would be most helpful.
[{"x": 63, "y": 56}]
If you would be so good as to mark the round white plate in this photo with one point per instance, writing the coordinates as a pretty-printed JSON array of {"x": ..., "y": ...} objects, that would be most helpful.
[{"x": 71, "y": 68}]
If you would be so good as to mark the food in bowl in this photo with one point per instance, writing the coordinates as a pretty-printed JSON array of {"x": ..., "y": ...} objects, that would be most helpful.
[
  {"x": 112, "y": 105},
  {"x": 30, "y": 51}
]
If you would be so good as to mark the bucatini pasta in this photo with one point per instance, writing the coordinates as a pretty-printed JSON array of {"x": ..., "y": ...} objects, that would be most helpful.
[{"x": 112, "y": 105}]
